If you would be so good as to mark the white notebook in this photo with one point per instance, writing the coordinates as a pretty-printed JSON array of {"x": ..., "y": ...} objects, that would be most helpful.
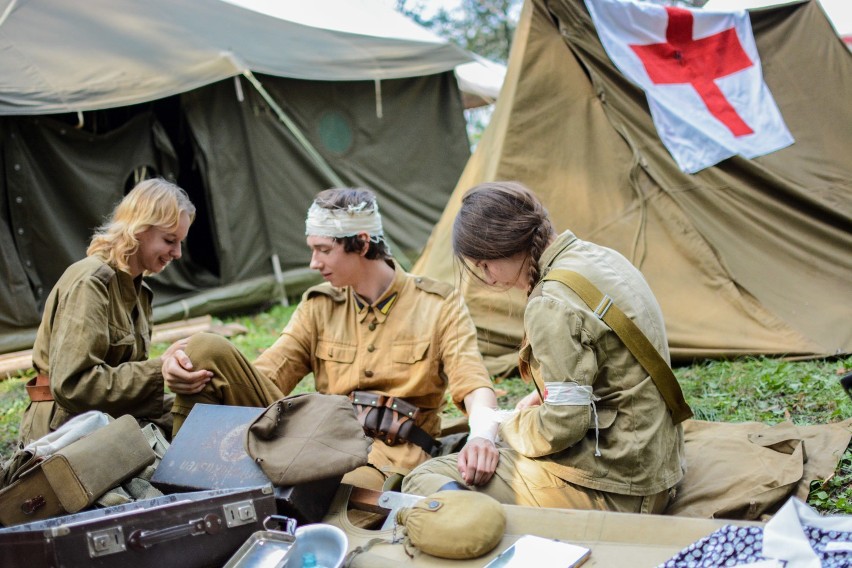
[{"x": 531, "y": 550}]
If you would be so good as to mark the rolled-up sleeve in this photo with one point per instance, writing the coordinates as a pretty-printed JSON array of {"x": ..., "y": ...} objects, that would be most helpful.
[
  {"x": 288, "y": 360},
  {"x": 461, "y": 360}
]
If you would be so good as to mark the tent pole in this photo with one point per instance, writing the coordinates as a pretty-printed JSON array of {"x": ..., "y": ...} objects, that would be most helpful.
[
  {"x": 294, "y": 130},
  {"x": 309, "y": 148}
]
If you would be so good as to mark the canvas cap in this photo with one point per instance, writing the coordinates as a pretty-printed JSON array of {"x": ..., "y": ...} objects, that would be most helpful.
[{"x": 307, "y": 437}]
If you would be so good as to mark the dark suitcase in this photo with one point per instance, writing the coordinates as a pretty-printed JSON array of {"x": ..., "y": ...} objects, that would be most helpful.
[
  {"x": 209, "y": 453},
  {"x": 190, "y": 530}
]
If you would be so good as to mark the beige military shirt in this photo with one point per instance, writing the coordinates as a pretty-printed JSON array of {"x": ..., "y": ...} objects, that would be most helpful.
[
  {"x": 641, "y": 450},
  {"x": 415, "y": 342},
  {"x": 93, "y": 343}
]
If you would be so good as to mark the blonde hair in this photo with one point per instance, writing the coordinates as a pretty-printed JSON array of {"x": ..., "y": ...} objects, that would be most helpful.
[{"x": 151, "y": 203}]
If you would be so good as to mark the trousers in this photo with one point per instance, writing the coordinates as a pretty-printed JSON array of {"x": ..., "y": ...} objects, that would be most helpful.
[{"x": 523, "y": 481}]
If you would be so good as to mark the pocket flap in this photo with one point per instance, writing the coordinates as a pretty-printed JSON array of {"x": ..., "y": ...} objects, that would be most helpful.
[
  {"x": 409, "y": 352},
  {"x": 606, "y": 416},
  {"x": 337, "y": 352},
  {"x": 119, "y": 336}
]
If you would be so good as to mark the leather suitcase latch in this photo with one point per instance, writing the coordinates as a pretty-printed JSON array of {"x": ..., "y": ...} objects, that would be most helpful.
[{"x": 30, "y": 506}]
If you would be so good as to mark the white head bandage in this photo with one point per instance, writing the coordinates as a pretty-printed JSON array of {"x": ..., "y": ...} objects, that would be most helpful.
[{"x": 345, "y": 221}]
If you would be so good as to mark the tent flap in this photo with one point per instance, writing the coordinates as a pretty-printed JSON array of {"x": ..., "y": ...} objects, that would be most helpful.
[{"x": 747, "y": 257}]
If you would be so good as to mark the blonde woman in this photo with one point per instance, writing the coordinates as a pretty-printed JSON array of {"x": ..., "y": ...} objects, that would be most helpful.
[{"x": 91, "y": 350}]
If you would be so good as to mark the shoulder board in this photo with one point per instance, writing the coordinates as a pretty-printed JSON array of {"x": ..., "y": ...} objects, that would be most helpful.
[
  {"x": 442, "y": 289},
  {"x": 325, "y": 289},
  {"x": 104, "y": 273}
]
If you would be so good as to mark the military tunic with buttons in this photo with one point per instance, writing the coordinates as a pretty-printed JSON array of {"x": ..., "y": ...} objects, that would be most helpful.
[
  {"x": 641, "y": 450},
  {"x": 414, "y": 342},
  {"x": 93, "y": 343},
  {"x": 623, "y": 452}
]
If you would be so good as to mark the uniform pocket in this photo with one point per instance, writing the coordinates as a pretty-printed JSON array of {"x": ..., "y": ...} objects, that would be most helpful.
[
  {"x": 606, "y": 416},
  {"x": 409, "y": 352},
  {"x": 335, "y": 351},
  {"x": 121, "y": 346}
]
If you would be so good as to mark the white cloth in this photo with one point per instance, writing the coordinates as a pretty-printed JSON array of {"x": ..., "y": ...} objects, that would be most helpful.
[
  {"x": 571, "y": 393},
  {"x": 70, "y": 432},
  {"x": 484, "y": 422},
  {"x": 701, "y": 74},
  {"x": 784, "y": 535}
]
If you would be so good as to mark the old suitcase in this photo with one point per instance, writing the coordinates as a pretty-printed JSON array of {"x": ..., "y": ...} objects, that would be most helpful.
[
  {"x": 191, "y": 530},
  {"x": 208, "y": 453}
]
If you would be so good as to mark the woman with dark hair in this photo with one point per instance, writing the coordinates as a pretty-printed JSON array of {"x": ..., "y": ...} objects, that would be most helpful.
[
  {"x": 595, "y": 433},
  {"x": 91, "y": 349}
]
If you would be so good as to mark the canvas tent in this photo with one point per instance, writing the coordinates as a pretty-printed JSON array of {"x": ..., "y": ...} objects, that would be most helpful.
[
  {"x": 252, "y": 105},
  {"x": 747, "y": 257},
  {"x": 839, "y": 12}
]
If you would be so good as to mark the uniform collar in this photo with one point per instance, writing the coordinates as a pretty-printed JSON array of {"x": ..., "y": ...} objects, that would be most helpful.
[
  {"x": 559, "y": 244},
  {"x": 383, "y": 305},
  {"x": 129, "y": 287}
]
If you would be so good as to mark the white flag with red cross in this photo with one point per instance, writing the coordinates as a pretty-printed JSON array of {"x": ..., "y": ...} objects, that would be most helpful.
[{"x": 701, "y": 74}]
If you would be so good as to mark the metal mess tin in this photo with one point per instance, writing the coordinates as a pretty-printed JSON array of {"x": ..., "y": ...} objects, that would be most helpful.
[
  {"x": 272, "y": 548},
  {"x": 268, "y": 548}
]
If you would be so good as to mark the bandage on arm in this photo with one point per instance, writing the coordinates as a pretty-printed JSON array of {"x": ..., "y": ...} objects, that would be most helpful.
[{"x": 484, "y": 422}]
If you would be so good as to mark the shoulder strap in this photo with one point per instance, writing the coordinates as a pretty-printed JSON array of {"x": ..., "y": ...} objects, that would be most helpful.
[{"x": 639, "y": 345}]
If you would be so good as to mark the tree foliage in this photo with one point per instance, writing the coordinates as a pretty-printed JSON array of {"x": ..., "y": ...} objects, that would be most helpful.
[{"x": 485, "y": 27}]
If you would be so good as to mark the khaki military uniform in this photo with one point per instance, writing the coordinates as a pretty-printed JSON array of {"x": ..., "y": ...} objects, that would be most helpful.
[
  {"x": 415, "y": 342},
  {"x": 640, "y": 449},
  {"x": 93, "y": 343}
]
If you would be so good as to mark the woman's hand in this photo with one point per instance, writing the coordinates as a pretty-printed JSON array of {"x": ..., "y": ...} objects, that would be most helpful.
[
  {"x": 532, "y": 399},
  {"x": 178, "y": 371}
]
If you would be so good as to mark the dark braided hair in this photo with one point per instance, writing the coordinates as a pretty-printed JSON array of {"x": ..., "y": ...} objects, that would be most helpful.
[{"x": 500, "y": 220}]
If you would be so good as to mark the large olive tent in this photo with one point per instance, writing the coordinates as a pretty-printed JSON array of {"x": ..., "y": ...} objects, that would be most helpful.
[
  {"x": 746, "y": 257},
  {"x": 96, "y": 94}
]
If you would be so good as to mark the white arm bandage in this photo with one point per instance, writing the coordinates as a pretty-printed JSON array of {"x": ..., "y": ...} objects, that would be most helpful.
[
  {"x": 485, "y": 421},
  {"x": 572, "y": 394}
]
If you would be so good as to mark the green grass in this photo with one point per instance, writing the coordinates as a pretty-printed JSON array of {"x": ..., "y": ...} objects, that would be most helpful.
[{"x": 761, "y": 389}]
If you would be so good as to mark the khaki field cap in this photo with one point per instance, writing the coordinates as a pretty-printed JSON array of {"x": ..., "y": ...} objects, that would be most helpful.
[
  {"x": 454, "y": 524},
  {"x": 307, "y": 437}
]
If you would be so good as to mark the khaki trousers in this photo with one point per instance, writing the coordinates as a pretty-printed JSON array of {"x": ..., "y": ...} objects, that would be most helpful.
[
  {"x": 522, "y": 481},
  {"x": 235, "y": 381}
]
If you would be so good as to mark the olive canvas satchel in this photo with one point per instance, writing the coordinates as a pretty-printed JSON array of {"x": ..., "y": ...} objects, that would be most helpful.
[{"x": 74, "y": 477}]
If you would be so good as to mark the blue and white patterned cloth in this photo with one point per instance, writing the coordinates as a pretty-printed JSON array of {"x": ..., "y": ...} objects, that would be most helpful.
[{"x": 792, "y": 539}]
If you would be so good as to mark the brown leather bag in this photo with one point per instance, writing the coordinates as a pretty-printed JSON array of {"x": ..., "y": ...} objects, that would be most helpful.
[{"x": 75, "y": 476}]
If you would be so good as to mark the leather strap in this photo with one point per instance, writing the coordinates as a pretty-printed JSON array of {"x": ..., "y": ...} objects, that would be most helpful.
[
  {"x": 419, "y": 437},
  {"x": 38, "y": 388},
  {"x": 365, "y": 402},
  {"x": 639, "y": 345}
]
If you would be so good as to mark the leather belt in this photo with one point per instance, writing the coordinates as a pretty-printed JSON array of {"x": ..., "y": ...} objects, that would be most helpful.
[
  {"x": 38, "y": 388},
  {"x": 429, "y": 444}
]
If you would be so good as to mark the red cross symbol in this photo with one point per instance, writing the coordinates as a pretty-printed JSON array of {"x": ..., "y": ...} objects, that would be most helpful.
[{"x": 698, "y": 62}]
